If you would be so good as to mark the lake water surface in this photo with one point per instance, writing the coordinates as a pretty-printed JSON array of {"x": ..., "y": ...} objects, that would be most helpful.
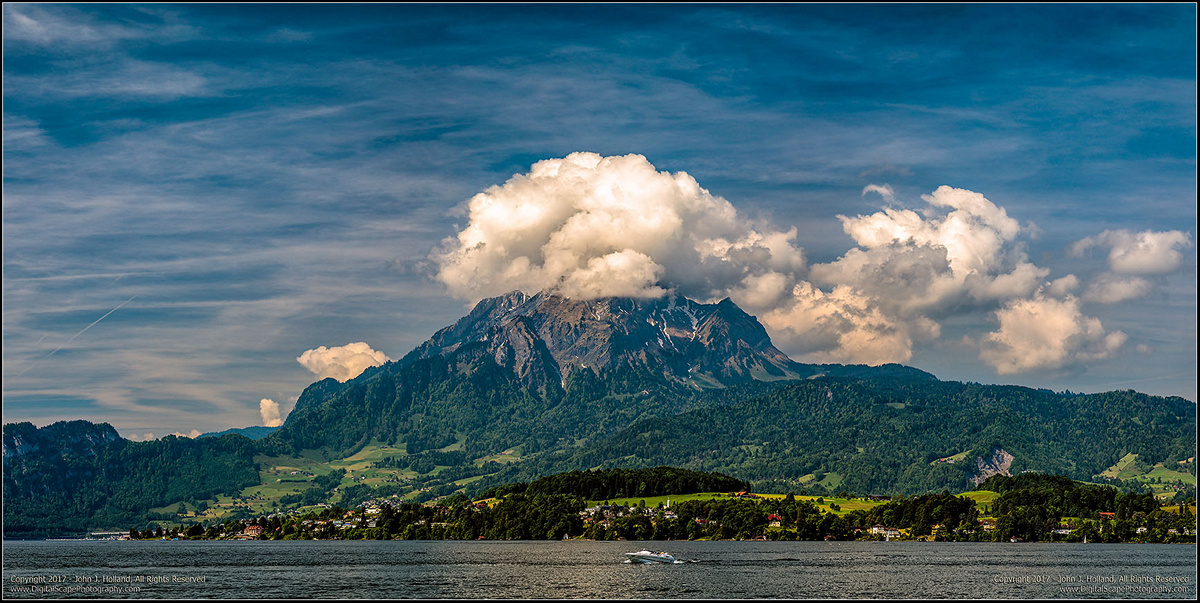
[{"x": 574, "y": 569}]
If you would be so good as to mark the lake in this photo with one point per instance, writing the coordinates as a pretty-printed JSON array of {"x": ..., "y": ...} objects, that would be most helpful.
[{"x": 575, "y": 569}]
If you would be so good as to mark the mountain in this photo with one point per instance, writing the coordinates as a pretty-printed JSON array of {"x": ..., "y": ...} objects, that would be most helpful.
[
  {"x": 254, "y": 432},
  {"x": 547, "y": 336},
  {"x": 528, "y": 386},
  {"x": 575, "y": 384},
  {"x": 529, "y": 371}
]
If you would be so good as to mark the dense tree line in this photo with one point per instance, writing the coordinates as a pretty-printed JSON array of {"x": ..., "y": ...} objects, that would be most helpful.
[
  {"x": 423, "y": 462},
  {"x": 1031, "y": 506},
  {"x": 318, "y": 492},
  {"x": 920, "y": 514},
  {"x": 624, "y": 483}
]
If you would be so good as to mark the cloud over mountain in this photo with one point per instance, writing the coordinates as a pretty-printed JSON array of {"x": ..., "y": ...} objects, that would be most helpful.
[
  {"x": 342, "y": 362},
  {"x": 588, "y": 226}
]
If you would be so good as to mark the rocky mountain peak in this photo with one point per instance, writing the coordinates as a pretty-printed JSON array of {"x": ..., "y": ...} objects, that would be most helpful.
[{"x": 550, "y": 335}]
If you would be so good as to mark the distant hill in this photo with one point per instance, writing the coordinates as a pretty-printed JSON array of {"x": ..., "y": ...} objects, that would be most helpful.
[
  {"x": 67, "y": 477},
  {"x": 256, "y": 432},
  {"x": 903, "y": 437}
]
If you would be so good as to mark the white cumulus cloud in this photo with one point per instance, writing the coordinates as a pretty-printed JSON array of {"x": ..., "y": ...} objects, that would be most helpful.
[
  {"x": 910, "y": 269},
  {"x": 342, "y": 362},
  {"x": 844, "y": 326},
  {"x": 1063, "y": 286},
  {"x": 1132, "y": 256},
  {"x": 1114, "y": 289},
  {"x": 588, "y": 226},
  {"x": 1042, "y": 333},
  {"x": 1140, "y": 253},
  {"x": 269, "y": 410}
]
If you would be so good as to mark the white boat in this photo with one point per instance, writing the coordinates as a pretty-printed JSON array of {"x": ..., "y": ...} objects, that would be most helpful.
[{"x": 650, "y": 557}]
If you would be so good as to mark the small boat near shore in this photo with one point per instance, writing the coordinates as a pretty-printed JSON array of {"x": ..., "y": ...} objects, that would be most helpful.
[{"x": 649, "y": 557}]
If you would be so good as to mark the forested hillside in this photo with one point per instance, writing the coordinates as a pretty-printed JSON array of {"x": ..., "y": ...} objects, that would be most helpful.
[
  {"x": 888, "y": 435},
  {"x": 68, "y": 477}
]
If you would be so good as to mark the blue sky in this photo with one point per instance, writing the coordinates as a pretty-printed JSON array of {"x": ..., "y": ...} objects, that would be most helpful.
[{"x": 243, "y": 183}]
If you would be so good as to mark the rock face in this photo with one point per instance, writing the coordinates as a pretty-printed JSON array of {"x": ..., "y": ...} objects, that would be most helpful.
[
  {"x": 546, "y": 336},
  {"x": 62, "y": 439},
  {"x": 39, "y": 460},
  {"x": 996, "y": 463}
]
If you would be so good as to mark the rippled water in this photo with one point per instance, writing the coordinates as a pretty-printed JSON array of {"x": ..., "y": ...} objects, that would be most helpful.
[{"x": 571, "y": 569}]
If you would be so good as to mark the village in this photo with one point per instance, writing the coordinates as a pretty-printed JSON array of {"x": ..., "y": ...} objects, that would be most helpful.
[{"x": 710, "y": 516}]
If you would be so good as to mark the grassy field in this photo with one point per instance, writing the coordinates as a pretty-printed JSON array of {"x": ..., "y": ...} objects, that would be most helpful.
[
  {"x": 1160, "y": 478},
  {"x": 284, "y": 475},
  {"x": 511, "y": 455},
  {"x": 827, "y": 480},
  {"x": 954, "y": 458},
  {"x": 1125, "y": 468},
  {"x": 846, "y": 504},
  {"x": 1175, "y": 509},
  {"x": 983, "y": 498}
]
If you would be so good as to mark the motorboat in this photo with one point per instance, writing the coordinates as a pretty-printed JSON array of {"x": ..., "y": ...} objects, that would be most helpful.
[{"x": 650, "y": 557}]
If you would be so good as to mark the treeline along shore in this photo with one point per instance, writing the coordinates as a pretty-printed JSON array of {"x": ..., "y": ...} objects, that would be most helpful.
[{"x": 1028, "y": 508}]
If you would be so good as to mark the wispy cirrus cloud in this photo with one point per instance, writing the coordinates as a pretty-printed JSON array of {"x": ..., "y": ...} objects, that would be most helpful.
[{"x": 266, "y": 178}]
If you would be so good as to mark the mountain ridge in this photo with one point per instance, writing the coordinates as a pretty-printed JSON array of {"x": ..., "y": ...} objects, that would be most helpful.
[{"x": 547, "y": 334}]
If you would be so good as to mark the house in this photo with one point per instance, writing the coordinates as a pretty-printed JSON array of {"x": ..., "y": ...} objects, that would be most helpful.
[
  {"x": 253, "y": 530},
  {"x": 1062, "y": 531},
  {"x": 774, "y": 520},
  {"x": 1107, "y": 515},
  {"x": 886, "y": 532}
]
